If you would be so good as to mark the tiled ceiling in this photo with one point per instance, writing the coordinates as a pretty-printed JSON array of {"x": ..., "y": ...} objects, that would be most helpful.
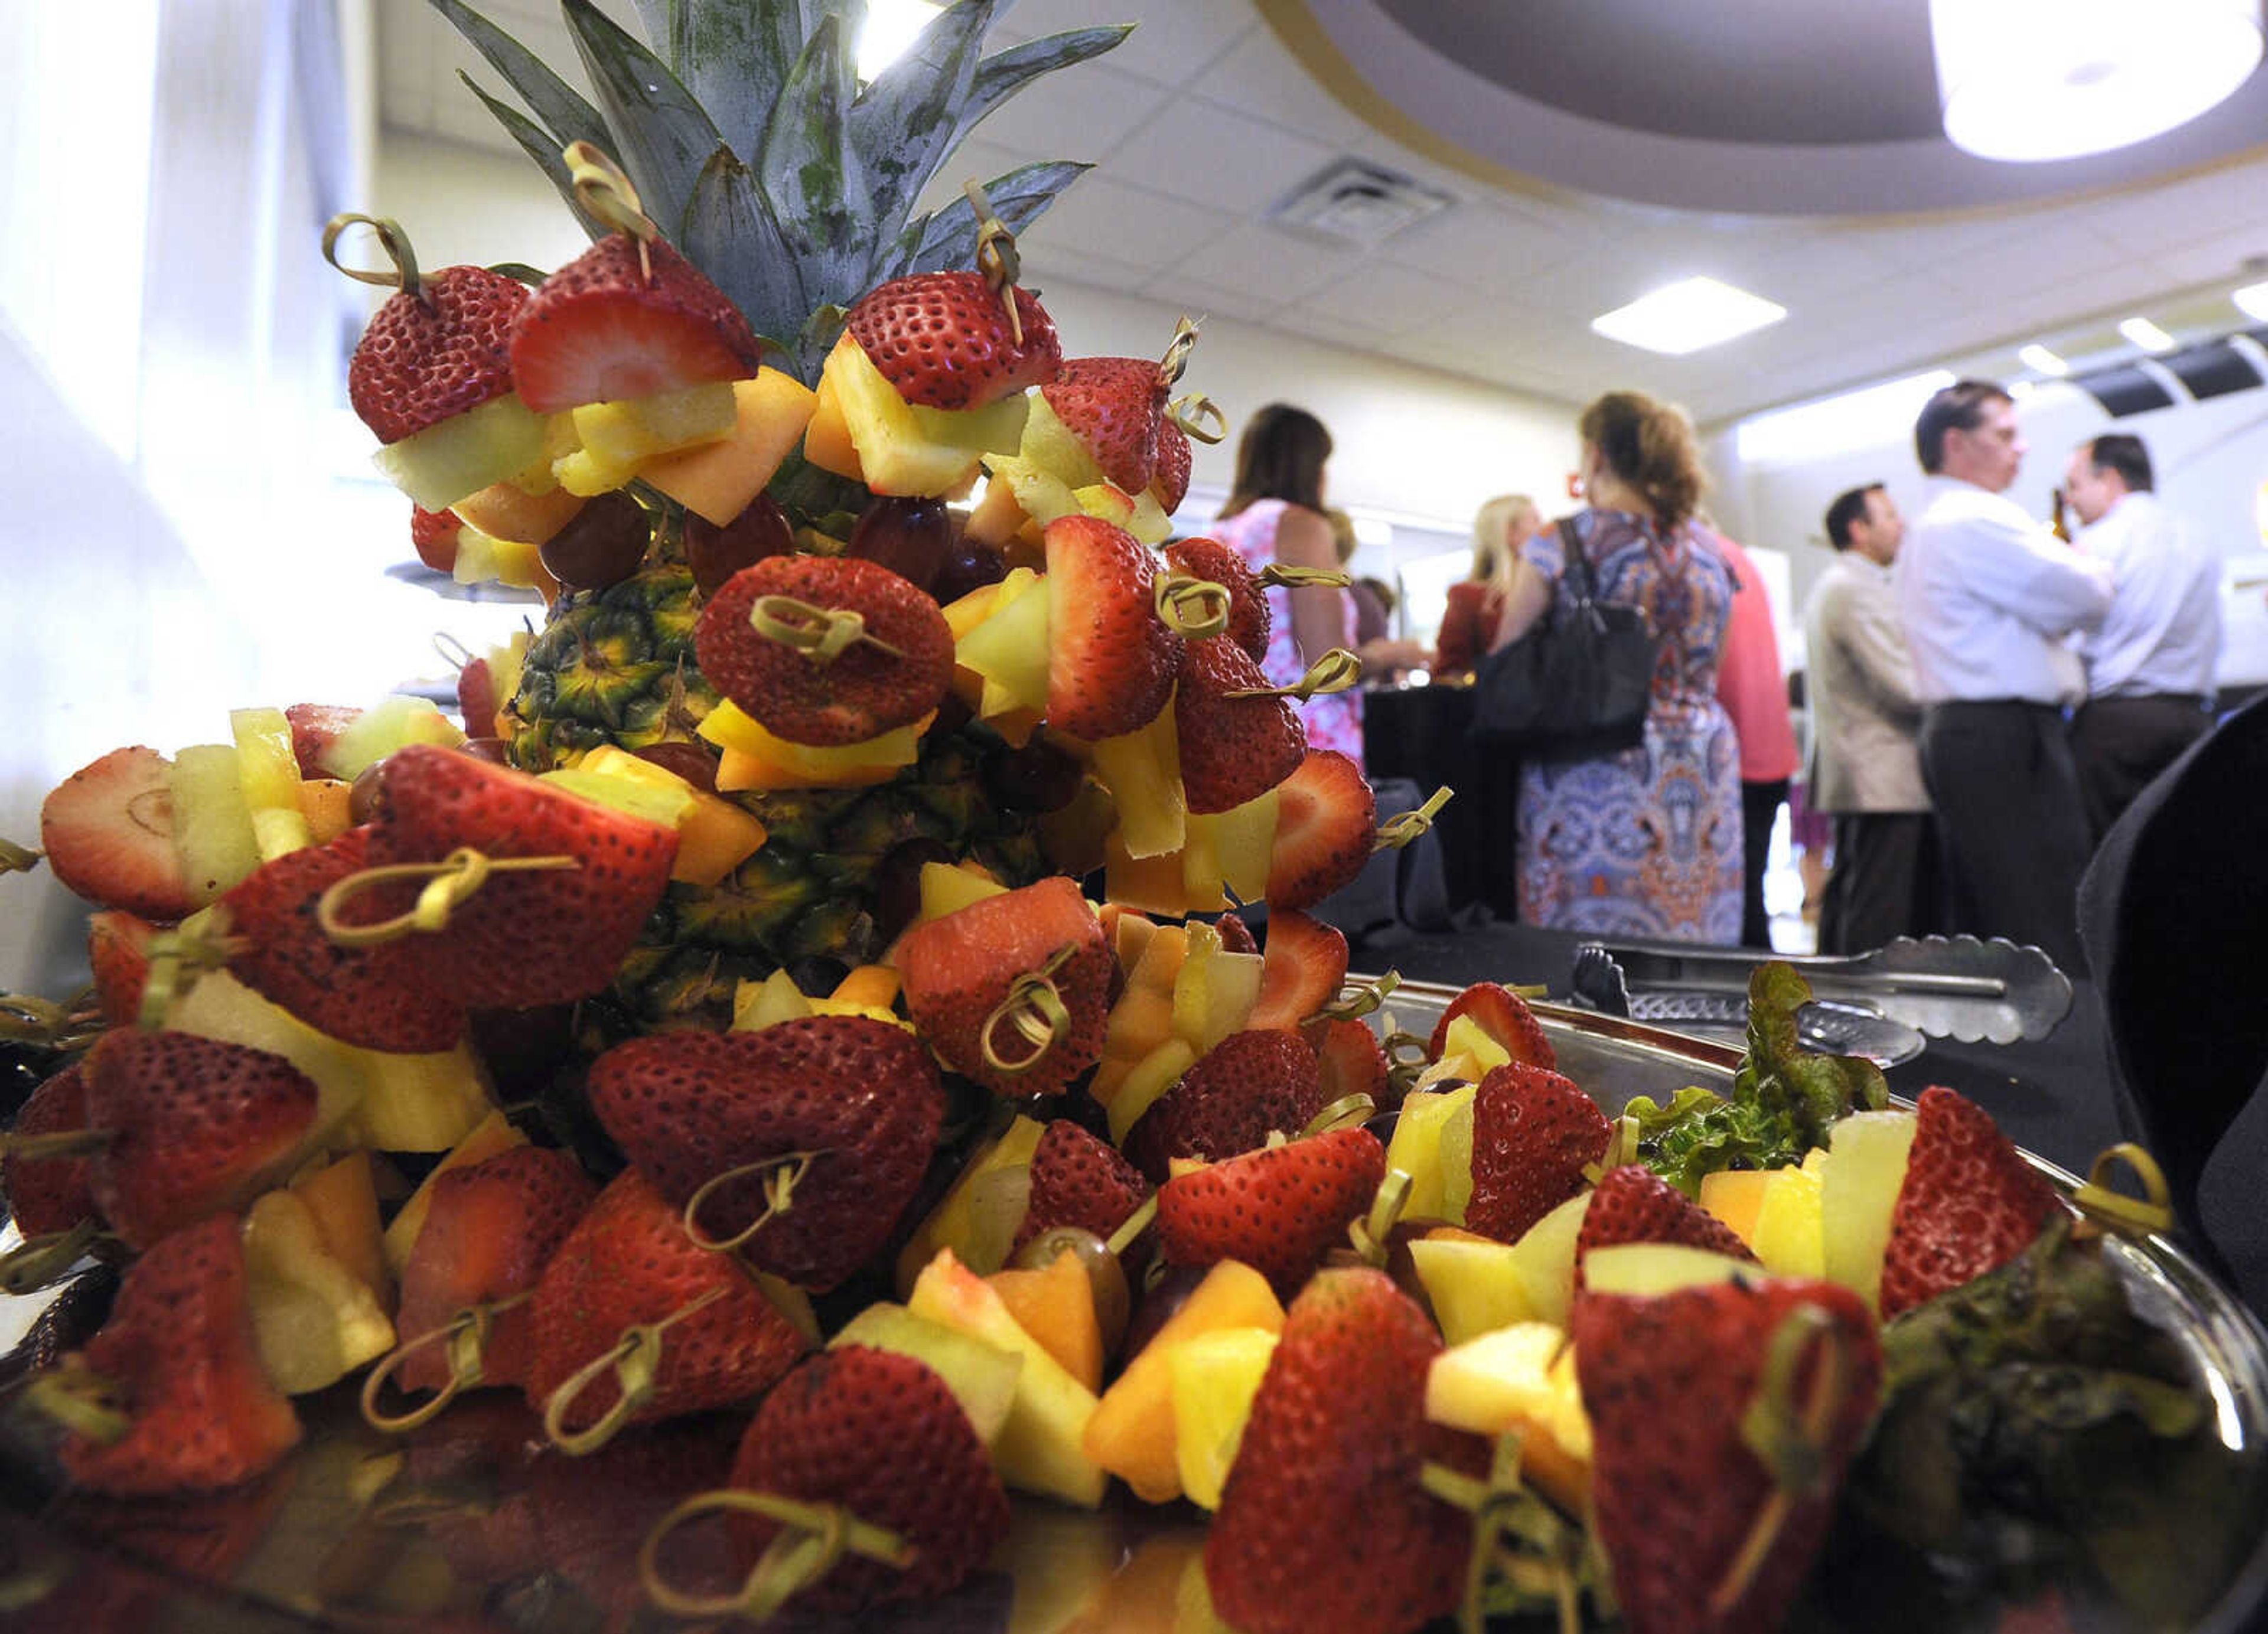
[{"x": 1203, "y": 120}]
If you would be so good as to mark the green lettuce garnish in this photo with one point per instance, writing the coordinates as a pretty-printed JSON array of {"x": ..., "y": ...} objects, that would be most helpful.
[{"x": 1784, "y": 1098}]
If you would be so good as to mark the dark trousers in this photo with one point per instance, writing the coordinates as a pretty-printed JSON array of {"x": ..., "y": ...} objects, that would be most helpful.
[
  {"x": 2000, "y": 774},
  {"x": 2122, "y": 744},
  {"x": 1887, "y": 881},
  {"x": 1760, "y": 803}
]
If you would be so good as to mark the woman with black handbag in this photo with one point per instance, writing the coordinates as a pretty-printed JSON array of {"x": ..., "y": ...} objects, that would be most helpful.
[{"x": 1630, "y": 819}]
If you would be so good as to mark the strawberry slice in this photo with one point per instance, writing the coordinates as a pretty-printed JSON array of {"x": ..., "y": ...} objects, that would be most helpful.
[
  {"x": 431, "y": 356},
  {"x": 1233, "y": 749},
  {"x": 1170, "y": 483},
  {"x": 1352, "y": 1062},
  {"x": 1504, "y": 1016},
  {"x": 1279, "y": 1210},
  {"x": 178, "y": 1354},
  {"x": 48, "y": 1195},
  {"x": 1077, "y": 1180},
  {"x": 197, "y": 1126},
  {"x": 1673, "y": 1386},
  {"x": 1325, "y": 1523},
  {"x": 1326, "y": 828},
  {"x": 629, "y": 1263},
  {"x": 942, "y": 340},
  {"x": 961, "y": 970},
  {"x": 599, "y": 329},
  {"x": 523, "y": 938},
  {"x": 433, "y": 536},
  {"x": 848, "y": 1428},
  {"x": 1114, "y": 405},
  {"x": 118, "y": 952},
  {"x": 864, "y": 1094},
  {"x": 1246, "y": 1087},
  {"x": 372, "y": 996},
  {"x": 891, "y": 678},
  {"x": 1634, "y": 1204},
  {"x": 1111, "y": 660},
  {"x": 1969, "y": 1203},
  {"x": 1533, "y": 1133},
  {"x": 315, "y": 728},
  {"x": 1208, "y": 559},
  {"x": 1305, "y": 964},
  {"x": 490, "y": 1229},
  {"x": 107, "y": 830}
]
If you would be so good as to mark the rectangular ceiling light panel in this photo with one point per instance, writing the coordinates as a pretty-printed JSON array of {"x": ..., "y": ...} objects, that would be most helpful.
[{"x": 1688, "y": 316}]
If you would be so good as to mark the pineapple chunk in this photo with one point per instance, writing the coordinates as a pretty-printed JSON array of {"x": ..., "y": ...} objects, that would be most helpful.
[
  {"x": 1519, "y": 1378},
  {"x": 1417, "y": 1149},
  {"x": 1037, "y": 496},
  {"x": 464, "y": 454},
  {"x": 1215, "y": 1375},
  {"x": 948, "y": 887},
  {"x": 1474, "y": 1285},
  {"x": 1143, "y": 771},
  {"x": 314, "y": 1319},
  {"x": 905, "y": 449},
  {"x": 729, "y": 727},
  {"x": 394, "y": 722},
  {"x": 1153, "y": 885},
  {"x": 1052, "y": 447},
  {"x": 637, "y": 429},
  {"x": 636, "y": 796},
  {"x": 826, "y": 438},
  {"x": 1008, "y": 649},
  {"x": 1789, "y": 1236},
  {"x": 1239, "y": 842},
  {"x": 759, "y": 1004},
  {"x": 514, "y": 563},
  {"x": 714, "y": 836},
  {"x": 213, "y": 830},
  {"x": 269, "y": 772},
  {"x": 1147, "y": 1082}
]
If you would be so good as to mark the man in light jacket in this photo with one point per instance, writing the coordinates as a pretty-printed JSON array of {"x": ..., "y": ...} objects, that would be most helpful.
[{"x": 1866, "y": 767}]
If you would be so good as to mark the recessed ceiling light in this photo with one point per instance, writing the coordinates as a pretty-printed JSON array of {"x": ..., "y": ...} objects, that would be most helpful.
[
  {"x": 891, "y": 25},
  {"x": 2040, "y": 360},
  {"x": 1687, "y": 316},
  {"x": 2252, "y": 301},
  {"x": 2145, "y": 334}
]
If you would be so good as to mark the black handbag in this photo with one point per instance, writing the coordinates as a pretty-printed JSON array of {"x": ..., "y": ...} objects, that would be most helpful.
[{"x": 1576, "y": 685}]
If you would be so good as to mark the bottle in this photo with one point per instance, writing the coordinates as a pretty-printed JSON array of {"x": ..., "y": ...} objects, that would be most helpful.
[{"x": 2057, "y": 526}]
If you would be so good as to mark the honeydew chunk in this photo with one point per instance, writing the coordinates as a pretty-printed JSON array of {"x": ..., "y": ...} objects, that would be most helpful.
[
  {"x": 1475, "y": 1287},
  {"x": 981, "y": 1376},
  {"x": 393, "y": 723},
  {"x": 313, "y": 1319},
  {"x": 464, "y": 453},
  {"x": 419, "y": 1102},
  {"x": 269, "y": 772},
  {"x": 1008, "y": 649},
  {"x": 974, "y": 1206},
  {"x": 343, "y": 1199},
  {"x": 1215, "y": 1377},
  {"x": 483, "y": 560},
  {"x": 1039, "y": 496},
  {"x": 1546, "y": 1255},
  {"x": 1649, "y": 1268},
  {"x": 633, "y": 797},
  {"x": 213, "y": 831},
  {"x": 635, "y": 429},
  {"x": 1150, "y": 523},
  {"x": 1858, "y": 1187},
  {"x": 1416, "y": 1148},
  {"x": 1051, "y": 445}
]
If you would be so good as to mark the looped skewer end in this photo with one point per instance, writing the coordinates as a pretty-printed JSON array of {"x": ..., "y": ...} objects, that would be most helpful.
[
  {"x": 782, "y": 1173},
  {"x": 1357, "y": 999},
  {"x": 28, "y": 1019},
  {"x": 814, "y": 1537},
  {"x": 1193, "y": 608},
  {"x": 1373, "y": 1235},
  {"x": 1399, "y": 832},
  {"x": 34, "y": 1263},
  {"x": 996, "y": 256},
  {"x": 1036, "y": 1009},
  {"x": 635, "y": 1361},
  {"x": 1347, "y": 1112},
  {"x": 402, "y": 273},
  {"x": 82, "y": 1402},
  {"x": 1337, "y": 671},
  {"x": 1286, "y": 576},
  {"x": 2107, "y": 1210},
  {"x": 16, "y": 858},
  {"x": 449, "y": 883},
  {"x": 1192, "y": 411},
  {"x": 466, "y": 1334},
  {"x": 1791, "y": 1438},
  {"x": 610, "y": 198},
  {"x": 821, "y": 634},
  {"x": 1178, "y": 350},
  {"x": 177, "y": 958}
]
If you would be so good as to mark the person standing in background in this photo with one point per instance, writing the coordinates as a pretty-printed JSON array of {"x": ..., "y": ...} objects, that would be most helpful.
[
  {"x": 1753, "y": 688},
  {"x": 1865, "y": 767},
  {"x": 1646, "y": 841},
  {"x": 1988, "y": 597},
  {"x": 2151, "y": 667},
  {"x": 1501, "y": 530}
]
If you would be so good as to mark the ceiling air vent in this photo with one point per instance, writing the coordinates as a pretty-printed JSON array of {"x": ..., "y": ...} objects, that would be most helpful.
[{"x": 1361, "y": 204}]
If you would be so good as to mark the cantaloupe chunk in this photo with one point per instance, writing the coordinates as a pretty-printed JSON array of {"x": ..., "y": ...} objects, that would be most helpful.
[
  {"x": 1734, "y": 1196},
  {"x": 1056, "y": 1306},
  {"x": 507, "y": 511},
  {"x": 327, "y": 804},
  {"x": 827, "y": 435},
  {"x": 717, "y": 481}
]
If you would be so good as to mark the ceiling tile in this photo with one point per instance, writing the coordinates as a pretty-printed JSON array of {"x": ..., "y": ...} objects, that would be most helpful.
[
  {"x": 1262, "y": 78},
  {"x": 1102, "y": 218},
  {"x": 1391, "y": 300},
  {"x": 2222, "y": 256},
  {"x": 1218, "y": 156},
  {"x": 1172, "y": 39},
  {"x": 1081, "y": 114},
  {"x": 1483, "y": 245},
  {"x": 1261, "y": 257},
  {"x": 1043, "y": 269},
  {"x": 1248, "y": 303}
]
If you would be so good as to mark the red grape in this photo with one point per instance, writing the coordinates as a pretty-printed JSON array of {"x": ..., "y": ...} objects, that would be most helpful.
[{"x": 715, "y": 554}]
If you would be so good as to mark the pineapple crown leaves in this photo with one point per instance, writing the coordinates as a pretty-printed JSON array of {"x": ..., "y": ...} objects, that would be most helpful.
[{"x": 756, "y": 151}]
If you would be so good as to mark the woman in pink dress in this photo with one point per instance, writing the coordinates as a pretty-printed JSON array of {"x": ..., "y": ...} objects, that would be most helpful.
[{"x": 1276, "y": 515}]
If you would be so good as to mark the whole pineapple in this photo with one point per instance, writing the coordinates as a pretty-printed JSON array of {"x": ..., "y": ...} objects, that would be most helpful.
[{"x": 752, "y": 144}]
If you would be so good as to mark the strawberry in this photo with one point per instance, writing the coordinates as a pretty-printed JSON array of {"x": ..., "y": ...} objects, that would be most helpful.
[
  {"x": 1111, "y": 660},
  {"x": 864, "y": 1094},
  {"x": 1504, "y": 1016},
  {"x": 527, "y": 939},
  {"x": 1634, "y": 1204},
  {"x": 179, "y": 1358},
  {"x": 1533, "y": 1133},
  {"x": 315, "y": 728},
  {"x": 1305, "y": 964},
  {"x": 118, "y": 952},
  {"x": 861, "y": 692},
  {"x": 628, "y": 1263},
  {"x": 478, "y": 703},
  {"x": 196, "y": 1126},
  {"x": 1326, "y": 828},
  {"x": 490, "y": 1229},
  {"x": 433, "y": 355},
  {"x": 48, "y": 1195},
  {"x": 881, "y": 1436},
  {"x": 959, "y": 970},
  {"x": 1242, "y": 1089},
  {"x": 1278, "y": 1209},
  {"x": 1969, "y": 1203},
  {"x": 1114, "y": 405},
  {"x": 1324, "y": 1524},
  {"x": 1208, "y": 559},
  {"x": 371, "y": 996},
  {"x": 107, "y": 830},
  {"x": 601, "y": 329},
  {"x": 1077, "y": 1180},
  {"x": 1671, "y": 1383},
  {"x": 1233, "y": 749},
  {"x": 1352, "y": 1062},
  {"x": 942, "y": 340},
  {"x": 433, "y": 536},
  {"x": 1170, "y": 483}
]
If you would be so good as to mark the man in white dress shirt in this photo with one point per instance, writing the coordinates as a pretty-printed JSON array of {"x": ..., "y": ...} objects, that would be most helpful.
[
  {"x": 1989, "y": 597},
  {"x": 1866, "y": 769},
  {"x": 2150, "y": 667}
]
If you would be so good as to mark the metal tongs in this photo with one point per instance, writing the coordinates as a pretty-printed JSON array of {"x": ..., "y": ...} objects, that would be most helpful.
[{"x": 1945, "y": 986}]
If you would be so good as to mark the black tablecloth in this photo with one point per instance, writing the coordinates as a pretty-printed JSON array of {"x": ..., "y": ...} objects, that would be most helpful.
[{"x": 1418, "y": 733}]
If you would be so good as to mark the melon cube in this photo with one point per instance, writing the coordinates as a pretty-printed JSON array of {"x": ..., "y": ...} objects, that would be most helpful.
[{"x": 464, "y": 454}]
